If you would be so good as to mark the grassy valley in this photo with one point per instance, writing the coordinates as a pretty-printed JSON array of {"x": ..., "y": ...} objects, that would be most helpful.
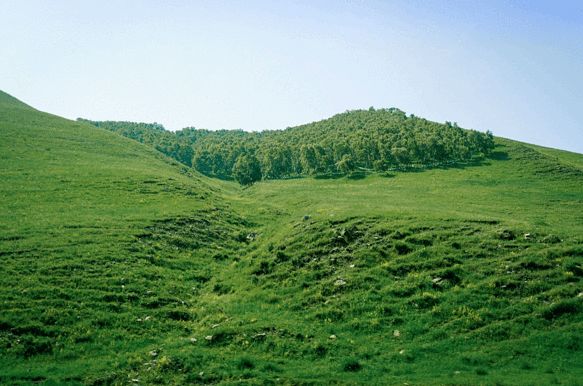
[{"x": 120, "y": 265}]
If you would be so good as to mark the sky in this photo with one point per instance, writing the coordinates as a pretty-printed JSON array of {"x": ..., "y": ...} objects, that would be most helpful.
[{"x": 512, "y": 67}]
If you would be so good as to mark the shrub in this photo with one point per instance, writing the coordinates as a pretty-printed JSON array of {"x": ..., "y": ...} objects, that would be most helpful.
[
  {"x": 351, "y": 365},
  {"x": 402, "y": 248},
  {"x": 560, "y": 309},
  {"x": 245, "y": 363}
]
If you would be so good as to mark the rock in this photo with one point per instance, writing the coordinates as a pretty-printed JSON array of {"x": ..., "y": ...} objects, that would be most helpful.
[
  {"x": 527, "y": 236},
  {"x": 153, "y": 353},
  {"x": 436, "y": 280},
  {"x": 340, "y": 282},
  {"x": 332, "y": 337},
  {"x": 193, "y": 340},
  {"x": 351, "y": 265},
  {"x": 402, "y": 352},
  {"x": 396, "y": 333},
  {"x": 580, "y": 295},
  {"x": 209, "y": 337}
]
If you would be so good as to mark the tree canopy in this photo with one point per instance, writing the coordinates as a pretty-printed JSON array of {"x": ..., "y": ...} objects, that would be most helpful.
[
  {"x": 372, "y": 140},
  {"x": 247, "y": 169}
]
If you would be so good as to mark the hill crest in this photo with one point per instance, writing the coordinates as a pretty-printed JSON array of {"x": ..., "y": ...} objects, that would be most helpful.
[{"x": 8, "y": 101}]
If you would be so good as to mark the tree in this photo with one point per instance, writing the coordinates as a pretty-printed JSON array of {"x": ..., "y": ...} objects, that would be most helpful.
[
  {"x": 247, "y": 169},
  {"x": 400, "y": 154},
  {"x": 201, "y": 162},
  {"x": 308, "y": 159},
  {"x": 345, "y": 165}
]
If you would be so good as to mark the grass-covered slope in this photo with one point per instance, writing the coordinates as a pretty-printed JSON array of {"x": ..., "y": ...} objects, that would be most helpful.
[
  {"x": 466, "y": 275},
  {"x": 72, "y": 199},
  {"x": 118, "y": 266}
]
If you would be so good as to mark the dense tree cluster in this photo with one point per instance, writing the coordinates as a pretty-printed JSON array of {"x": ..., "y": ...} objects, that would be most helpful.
[{"x": 359, "y": 140}]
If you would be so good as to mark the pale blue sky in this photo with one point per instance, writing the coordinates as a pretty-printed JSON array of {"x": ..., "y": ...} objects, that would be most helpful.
[{"x": 513, "y": 67}]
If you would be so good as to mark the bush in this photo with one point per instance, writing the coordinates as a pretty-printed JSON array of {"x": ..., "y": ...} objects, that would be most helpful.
[
  {"x": 245, "y": 363},
  {"x": 351, "y": 365},
  {"x": 402, "y": 248},
  {"x": 560, "y": 309},
  {"x": 32, "y": 346}
]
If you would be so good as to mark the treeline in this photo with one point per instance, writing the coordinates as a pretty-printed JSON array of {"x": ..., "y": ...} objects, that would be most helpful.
[
  {"x": 152, "y": 134},
  {"x": 359, "y": 140}
]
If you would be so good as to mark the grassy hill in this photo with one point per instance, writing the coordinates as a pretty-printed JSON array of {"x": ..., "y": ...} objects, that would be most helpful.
[
  {"x": 119, "y": 266},
  {"x": 72, "y": 199},
  {"x": 346, "y": 144}
]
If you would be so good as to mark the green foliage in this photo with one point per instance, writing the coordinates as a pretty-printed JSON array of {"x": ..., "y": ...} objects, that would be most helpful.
[
  {"x": 352, "y": 365},
  {"x": 381, "y": 140},
  {"x": 151, "y": 134},
  {"x": 247, "y": 170}
]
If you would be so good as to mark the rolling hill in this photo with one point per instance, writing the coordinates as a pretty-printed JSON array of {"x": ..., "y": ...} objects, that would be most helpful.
[
  {"x": 120, "y": 265},
  {"x": 354, "y": 142}
]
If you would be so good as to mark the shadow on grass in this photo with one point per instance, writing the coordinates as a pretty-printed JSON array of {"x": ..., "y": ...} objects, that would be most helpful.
[
  {"x": 499, "y": 156},
  {"x": 328, "y": 176},
  {"x": 392, "y": 173},
  {"x": 463, "y": 165},
  {"x": 356, "y": 176}
]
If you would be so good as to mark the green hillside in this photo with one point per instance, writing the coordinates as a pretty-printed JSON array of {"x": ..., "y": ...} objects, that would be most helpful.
[
  {"x": 347, "y": 144},
  {"x": 565, "y": 157},
  {"x": 122, "y": 266},
  {"x": 72, "y": 199}
]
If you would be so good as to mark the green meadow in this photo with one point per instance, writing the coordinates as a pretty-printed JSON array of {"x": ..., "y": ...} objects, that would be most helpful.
[{"x": 119, "y": 265}]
